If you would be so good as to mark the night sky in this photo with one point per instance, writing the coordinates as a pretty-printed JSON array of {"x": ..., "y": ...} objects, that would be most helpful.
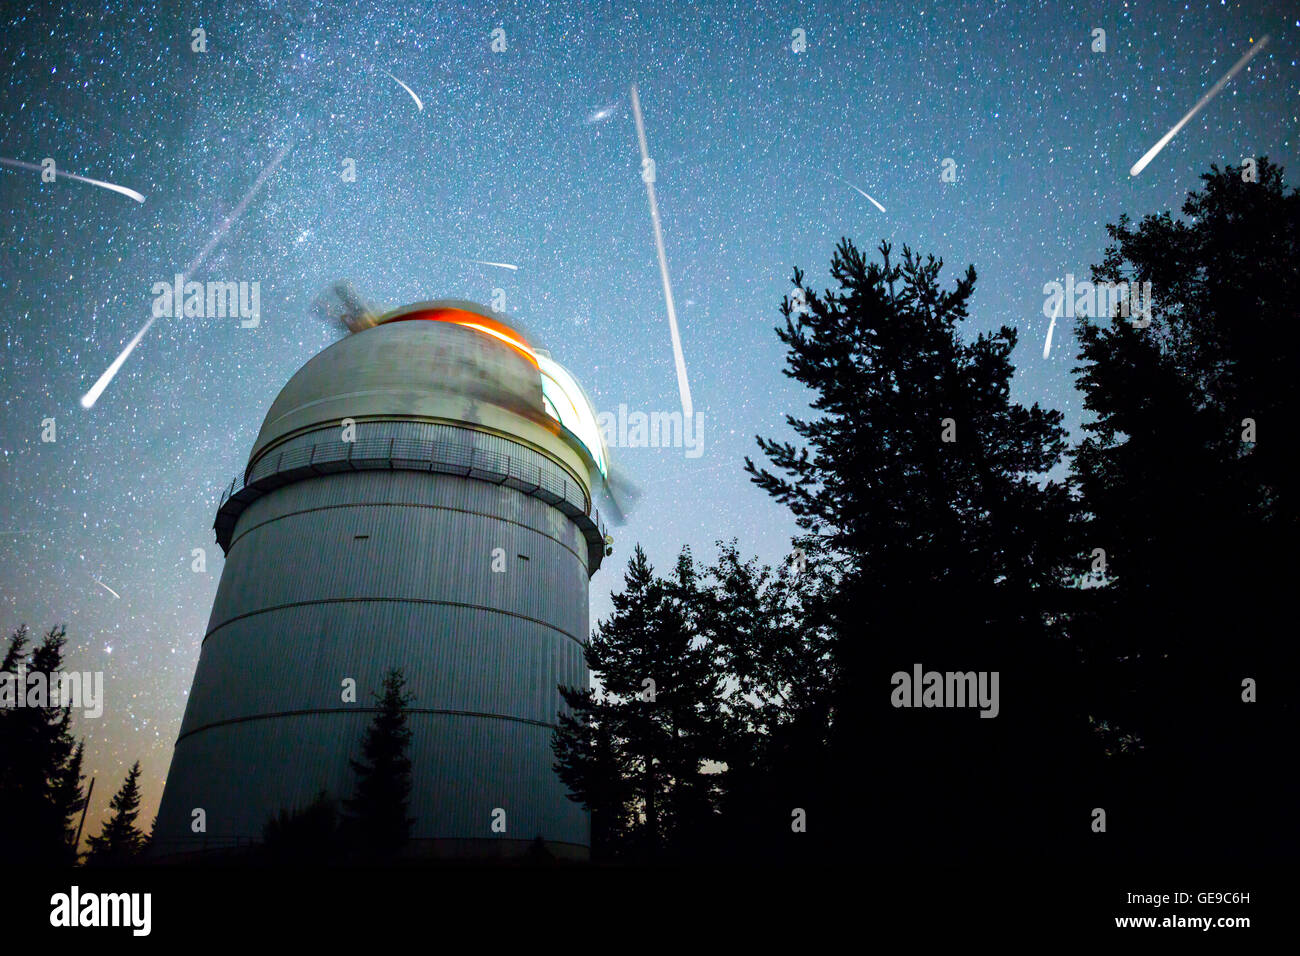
[{"x": 528, "y": 157}]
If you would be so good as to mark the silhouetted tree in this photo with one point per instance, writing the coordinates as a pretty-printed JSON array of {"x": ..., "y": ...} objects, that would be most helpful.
[
  {"x": 376, "y": 818},
  {"x": 68, "y": 800},
  {"x": 15, "y": 651},
  {"x": 40, "y": 762},
  {"x": 1188, "y": 480},
  {"x": 920, "y": 483},
  {"x": 686, "y": 713},
  {"x": 596, "y": 769},
  {"x": 14, "y": 731},
  {"x": 775, "y": 709},
  {"x": 120, "y": 840},
  {"x": 307, "y": 835},
  {"x": 636, "y": 754}
]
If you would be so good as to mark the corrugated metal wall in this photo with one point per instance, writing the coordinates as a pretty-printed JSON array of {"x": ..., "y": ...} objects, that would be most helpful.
[{"x": 348, "y": 575}]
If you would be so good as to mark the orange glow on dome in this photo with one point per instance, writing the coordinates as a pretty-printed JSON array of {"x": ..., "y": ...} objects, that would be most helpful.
[{"x": 479, "y": 323}]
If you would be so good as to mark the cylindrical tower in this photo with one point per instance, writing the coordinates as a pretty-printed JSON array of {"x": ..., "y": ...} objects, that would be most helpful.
[{"x": 419, "y": 496}]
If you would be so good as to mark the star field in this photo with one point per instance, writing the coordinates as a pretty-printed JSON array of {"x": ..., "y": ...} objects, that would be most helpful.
[{"x": 528, "y": 156}]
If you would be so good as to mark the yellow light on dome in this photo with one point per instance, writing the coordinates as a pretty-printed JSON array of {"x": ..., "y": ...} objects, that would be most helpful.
[{"x": 568, "y": 403}]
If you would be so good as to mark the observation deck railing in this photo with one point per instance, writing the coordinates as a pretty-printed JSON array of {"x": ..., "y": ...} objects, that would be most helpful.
[{"x": 278, "y": 468}]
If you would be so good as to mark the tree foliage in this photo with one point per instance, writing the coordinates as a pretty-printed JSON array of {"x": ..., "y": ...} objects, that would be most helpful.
[
  {"x": 119, "y": 841},
  {"x": 40, "y": 760},
  {"x": 376, "y": 818},
  {"x": 1187, "y": 480}
]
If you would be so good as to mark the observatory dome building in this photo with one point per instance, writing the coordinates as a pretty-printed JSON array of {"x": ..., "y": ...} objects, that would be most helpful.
[{"x": 419, "y": 497}]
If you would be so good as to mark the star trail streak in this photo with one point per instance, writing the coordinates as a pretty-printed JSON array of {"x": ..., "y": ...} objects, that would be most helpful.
[
  {"x": 418, "y": 103},
  {"x": 1210, "y": 94},
  {"x": 19, "y": 164},
  {"x": 92, "y": 396},
  {"x": 683, "y": 386}
]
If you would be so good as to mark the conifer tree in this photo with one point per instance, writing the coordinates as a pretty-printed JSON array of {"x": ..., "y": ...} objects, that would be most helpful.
[
  {"x": 593, "y": 764},
  {"x": 376, "y": 815},
  {"x": 687, "y": 712},
  {"x": 1187, "y": 476},
  {"x": 120, "y": 840},
  {"x": 15, "y": 651},
  {"x": 919, "y": 482},
  {"x": 39, "y": 759},
  {"x": 776, "y": 707},
  {"x": 11, "y": 729},
  {"x": 635, "y": 753},
  {"x": 68, "y": 800}
]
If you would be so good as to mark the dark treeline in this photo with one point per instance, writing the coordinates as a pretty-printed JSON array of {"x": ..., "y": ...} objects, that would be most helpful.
[
  {"x": 42, "y": 786},
  {"x": 43, "y": 792},
  {"x": 1133, "y": 607}
]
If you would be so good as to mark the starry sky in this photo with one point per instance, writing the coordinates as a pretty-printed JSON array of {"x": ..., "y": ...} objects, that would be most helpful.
[{"x": 528, "y": 156}]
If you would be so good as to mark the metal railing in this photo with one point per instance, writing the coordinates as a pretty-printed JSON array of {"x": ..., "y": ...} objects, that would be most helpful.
[{"x": 278, "y": 468}]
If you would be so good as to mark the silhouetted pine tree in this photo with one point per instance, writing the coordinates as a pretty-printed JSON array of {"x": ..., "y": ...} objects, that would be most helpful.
[
  {"x": 1196, "y": 510},
  {"x": 40, "y": 762},
  {"x": 16, "y": 650},
  {"x": 918, "y": 482},
  {"x": 69, "y": 800},
  {"x": 775, "y": 707},
  {"x": 596, "y": 769},
  {"x": 376, "y": 816},
  {"x": 636, "y": 755},
  {"x": 687, "y": 713},
  {"x": 12, "y": 729},
  {"x": 120, "y": 840}
]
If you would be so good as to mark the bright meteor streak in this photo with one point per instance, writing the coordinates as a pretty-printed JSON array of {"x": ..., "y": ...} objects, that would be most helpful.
[
  {"x": 1141, "y": 164},
  {"x": 91, "y": 397},
  {"x": 403, "y": 86},
  {"x": 499, "y": 265},
  {"x": 1056, "y": 314},
  {"x": 107, "y": 588},
  {"x": 683, "y": 387},
  {"x": 81, "y": 179},
  {"x": 860, "y": 192}
]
